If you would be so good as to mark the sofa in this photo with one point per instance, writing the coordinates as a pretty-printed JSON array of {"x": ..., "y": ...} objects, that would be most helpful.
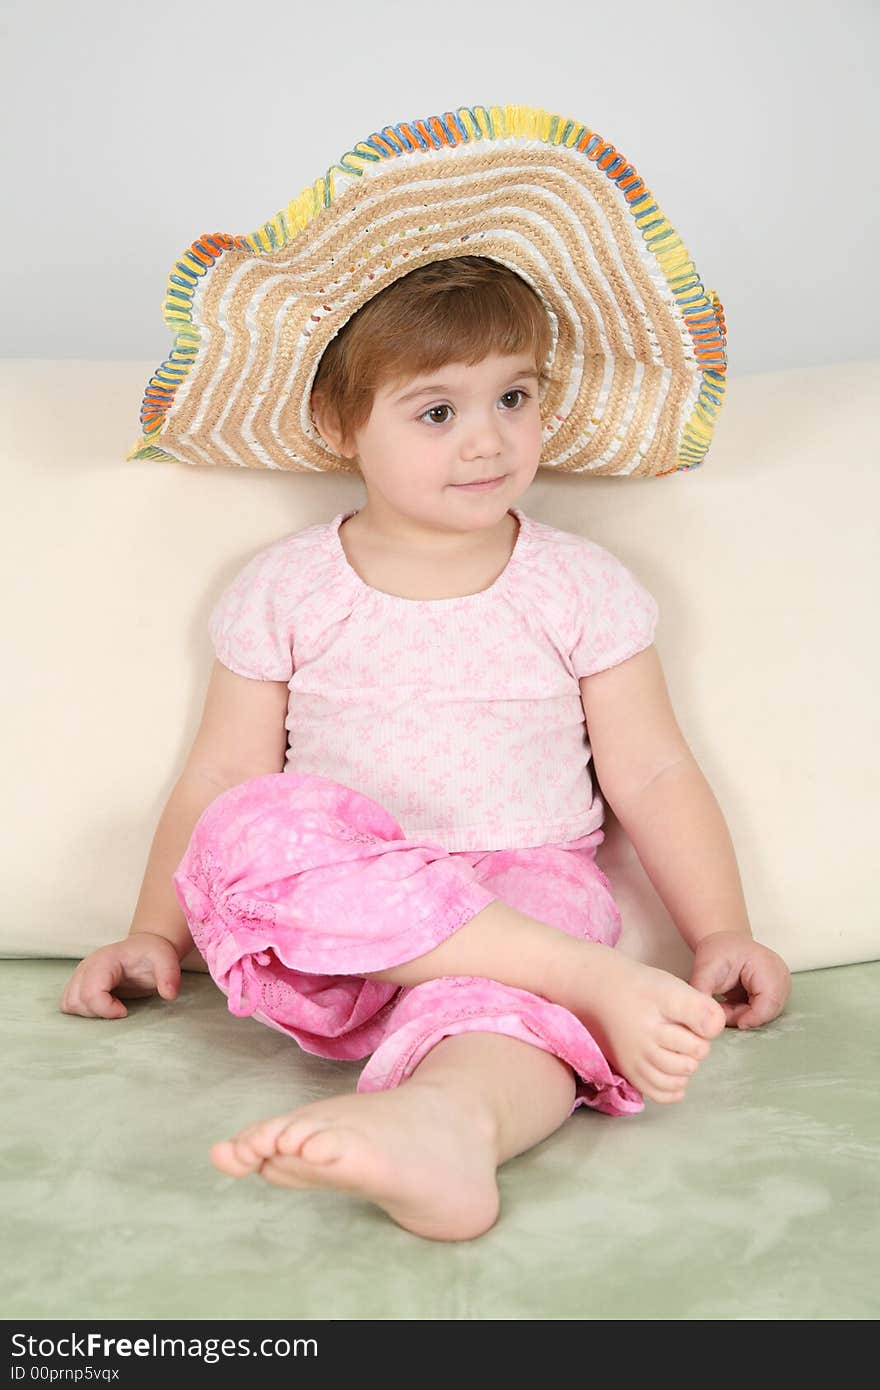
[{"x": 756, "y": 1198}]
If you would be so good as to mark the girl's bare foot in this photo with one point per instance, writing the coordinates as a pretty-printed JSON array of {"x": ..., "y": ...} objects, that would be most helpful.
[
  {"x": 428, "y": 1158},
  {"x": 654, "y": 1028}
]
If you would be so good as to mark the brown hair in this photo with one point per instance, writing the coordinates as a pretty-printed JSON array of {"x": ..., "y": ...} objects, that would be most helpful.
[{"x": 457, "y": 310}]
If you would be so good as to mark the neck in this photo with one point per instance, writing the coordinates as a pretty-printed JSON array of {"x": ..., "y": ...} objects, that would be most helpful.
[{"x": 401, "y": 534}]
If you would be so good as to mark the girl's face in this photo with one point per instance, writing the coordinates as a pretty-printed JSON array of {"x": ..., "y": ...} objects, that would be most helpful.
[{"x": 460, "y": 424}]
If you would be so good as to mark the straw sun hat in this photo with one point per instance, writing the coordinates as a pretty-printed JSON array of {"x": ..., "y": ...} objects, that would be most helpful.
[{"x": 638, "y": 356}]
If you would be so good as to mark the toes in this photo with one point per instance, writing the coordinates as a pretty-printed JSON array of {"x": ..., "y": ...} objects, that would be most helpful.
[
  {"x": 309, "y": 1161},
  {"x": 660, "y": 1083},
  {"x": 226, "y": 1156},
  {"x": 675, "y": 1038},
  {"x": 284, "y": 1136},
  {"x": 307, "y": 1138},
  {"x": 308, "y": 1141},
  {"x": 666, "y": 1098},
  {"x": 700, "y": 1013},
  {"x": 251, "y": 1147},
  {"x": 663, "y": 1090},
  {"x": 294, "y": 1135},
  {"x": 715, "y": 1019},
  {"x": 673, "y": 1064},
  {"x": 263, "y": 1138},
  {"x": 286, "y": 1170}
]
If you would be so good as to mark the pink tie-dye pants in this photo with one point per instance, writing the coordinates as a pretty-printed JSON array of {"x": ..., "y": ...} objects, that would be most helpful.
[{"x": 292, "y": 884}]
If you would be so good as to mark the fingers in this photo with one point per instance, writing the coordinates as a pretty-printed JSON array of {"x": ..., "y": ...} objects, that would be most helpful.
[
  {"x": 91, "y": 1000},
  {"x": 103, "y": 1004},
  {"x": 755, "y": 980},
  {"x": 752, "y": 1004},
  {"x": 733, "y": 1012},
  {"x": 169, "y": 984},
  {"x": 166, "y": 969},
  {"x": 751, "y": 1013},
  {"x": 766, "y": 986},
  {"x": 102, "y": 980},
  {"x": 715, "y": 976},
  {"x": 96, "y": 1004},
  {"x": 122, "y": 970},
  {"x": 88, "y": 990},
  {"x": 763, "y": 1006}
]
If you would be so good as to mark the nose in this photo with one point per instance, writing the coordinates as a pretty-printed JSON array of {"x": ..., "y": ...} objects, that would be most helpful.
[{"x": 483, "y": 439}]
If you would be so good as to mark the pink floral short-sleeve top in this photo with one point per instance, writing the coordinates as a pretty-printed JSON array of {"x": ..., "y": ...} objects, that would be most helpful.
[{"x": 461, "y": 716}]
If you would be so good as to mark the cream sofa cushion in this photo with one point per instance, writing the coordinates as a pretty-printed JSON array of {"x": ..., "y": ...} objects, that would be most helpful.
[{"x": 763, "y": 562}]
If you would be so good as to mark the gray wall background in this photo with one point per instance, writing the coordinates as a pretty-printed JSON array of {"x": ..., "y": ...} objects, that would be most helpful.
[{"x": 132, "y": 129}]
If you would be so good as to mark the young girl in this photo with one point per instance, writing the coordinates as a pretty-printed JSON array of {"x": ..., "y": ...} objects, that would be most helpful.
[{"x": 383, "y": 841}]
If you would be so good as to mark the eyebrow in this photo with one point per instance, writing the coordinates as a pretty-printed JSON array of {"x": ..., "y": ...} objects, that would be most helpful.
[{"x": 441, "y": 386}]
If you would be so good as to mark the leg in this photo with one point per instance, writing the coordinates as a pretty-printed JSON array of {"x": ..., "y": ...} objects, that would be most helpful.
[
  {"x": 426, "y": 1151},
  {"x": 315, "y": 938},
  {"x": 294, "y": 948},
  {"x": 530, "y": 954},
  {"x": 653, "y": 1027},
  {"x": 529, "y": 1091}
]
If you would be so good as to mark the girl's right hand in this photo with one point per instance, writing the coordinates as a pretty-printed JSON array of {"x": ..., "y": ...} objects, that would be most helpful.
[{"x": 139, "y": 965}]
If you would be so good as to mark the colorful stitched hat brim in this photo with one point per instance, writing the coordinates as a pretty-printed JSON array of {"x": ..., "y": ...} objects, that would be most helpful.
[{"x": 639, "y": 347}]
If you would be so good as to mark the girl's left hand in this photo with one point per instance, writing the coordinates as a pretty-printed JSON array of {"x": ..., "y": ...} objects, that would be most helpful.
[{"x": 755, "y": 980}]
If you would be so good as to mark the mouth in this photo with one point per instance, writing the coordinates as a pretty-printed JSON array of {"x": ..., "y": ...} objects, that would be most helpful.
[{"x": 482, "y": 482}]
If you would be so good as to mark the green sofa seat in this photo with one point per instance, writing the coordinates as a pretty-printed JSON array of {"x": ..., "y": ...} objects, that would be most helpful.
[{"x": 755, "y": 1198}]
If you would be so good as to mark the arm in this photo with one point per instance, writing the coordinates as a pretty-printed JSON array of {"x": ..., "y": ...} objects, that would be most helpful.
[
  {"x": 651, "y": 780},
  {"x": 242, "y": 735},
  {"x": 158, "y": 911}
]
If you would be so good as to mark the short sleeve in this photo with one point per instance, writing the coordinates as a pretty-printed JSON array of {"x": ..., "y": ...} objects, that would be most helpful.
[
  {"x": 616, "y": 616},
  {"x": 251, "y": 624}
]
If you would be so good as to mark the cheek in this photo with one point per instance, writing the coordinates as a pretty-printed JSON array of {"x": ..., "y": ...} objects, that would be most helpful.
[
  {"x": 420, "y": 453},
  {"x": 414, "y": 472}
]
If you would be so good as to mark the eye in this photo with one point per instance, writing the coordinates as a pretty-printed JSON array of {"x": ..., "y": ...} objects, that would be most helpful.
[{"x": 517, "y": 391}]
